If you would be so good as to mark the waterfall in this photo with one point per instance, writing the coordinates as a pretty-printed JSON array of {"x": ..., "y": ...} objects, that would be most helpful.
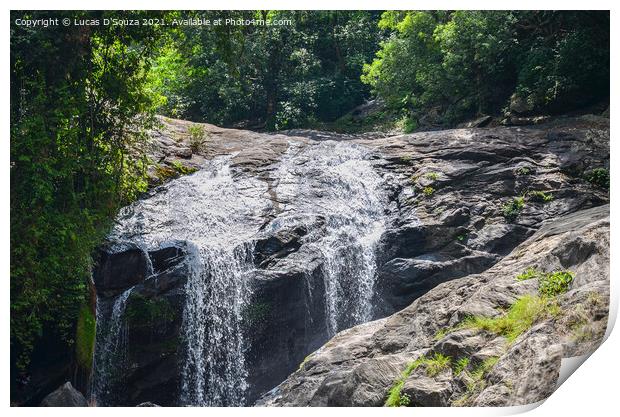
[
  {"x": 333, "y": 189},
  {"x": 110, "y": 348},
  {"x": 330, "y": 187},
  {"x": 219, "y": 216}
]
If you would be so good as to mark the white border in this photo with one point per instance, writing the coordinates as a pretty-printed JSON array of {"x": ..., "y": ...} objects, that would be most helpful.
[{"x": 593, "y": 390}]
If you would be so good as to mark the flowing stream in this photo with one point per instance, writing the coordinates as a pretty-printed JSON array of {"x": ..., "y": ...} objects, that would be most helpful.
[{"x": 330, "y": 187}]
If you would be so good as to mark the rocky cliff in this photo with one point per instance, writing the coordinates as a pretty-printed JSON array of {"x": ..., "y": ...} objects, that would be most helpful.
[
  {"x": 433, "y": 354},
  {"x": 332, "y": 231}
]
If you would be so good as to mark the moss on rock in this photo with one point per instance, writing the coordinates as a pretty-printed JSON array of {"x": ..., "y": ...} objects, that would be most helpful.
[{"x": 85, "y": 337}]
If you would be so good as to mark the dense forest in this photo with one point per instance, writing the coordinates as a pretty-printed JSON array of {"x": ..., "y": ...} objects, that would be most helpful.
[{"x": 83, "y": 99}]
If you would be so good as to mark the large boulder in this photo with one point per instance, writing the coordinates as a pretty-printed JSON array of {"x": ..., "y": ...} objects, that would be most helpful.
[
  {"x": 117, "y": 271},
  {"x": 65, "y": 396}
]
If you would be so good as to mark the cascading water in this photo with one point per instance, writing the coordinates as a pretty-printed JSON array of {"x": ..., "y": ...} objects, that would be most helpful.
[
  {"x": 110, "y": 353},
  {"x": 334, "y": 190},
  {"x": 218, "y": 215},
  {"x": 330, "y": 187}
]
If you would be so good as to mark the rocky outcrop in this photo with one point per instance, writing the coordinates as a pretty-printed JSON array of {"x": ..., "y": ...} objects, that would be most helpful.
[
  {"x": 360, "y": 366},
  {"x": 65, "y": 396},
  {"x": 450, "y": 216}
]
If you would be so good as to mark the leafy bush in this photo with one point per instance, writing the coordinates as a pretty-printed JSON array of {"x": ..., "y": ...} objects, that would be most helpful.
[
  {"x": 540, "y": 196},
  {"x": 555, "y": 283},
  {"x": 598, "y": 177},
  {"x": 197, "y": 137},
  {"x": 428, "y": 191},
  {"x": 512, "y": 208},
  {"x": 80, "y": 109}
]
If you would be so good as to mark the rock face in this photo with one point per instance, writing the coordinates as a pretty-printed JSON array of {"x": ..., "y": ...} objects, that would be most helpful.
[
  {"x": 360, "y": 365},
  {"x": 445, "y": 221},
  {"x": 65, "y": 396}
]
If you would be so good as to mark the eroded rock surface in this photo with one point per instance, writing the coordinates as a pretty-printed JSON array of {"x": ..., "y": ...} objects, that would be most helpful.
[{"x": 516, "y": 372}]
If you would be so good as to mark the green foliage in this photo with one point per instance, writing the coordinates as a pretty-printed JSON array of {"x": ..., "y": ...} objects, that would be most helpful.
[
  {"x": 434, "y": 365},
  {"x": 405, "y": 400},
  {"x": 526, "y": 311},
  {"x": 555, "y": 283},
  {"x": 80, "y": 107},
  {"x": 276, "y": 77},
  {"x": 182, "y": 169},
  {"x": 168, "y": 172},
  {"x": 522, "y": 171},
  {"x": 512, "y": 208},
  {"x": 477, "y": 379},
  {"x": 197, "y": 137},
  {"x": 598, "y": 177},
  {"x": 433, "y": 176},
  {"x": 540, "y": 196},
  {"x": 529, "y": 273},
  {"x": 428, "y": 191},
  {"x": 462, "y": 63},
  {"x": 85, "y": 337},
  {"x": 394, "y": 394},
  {"x": 148, "y": 312},
  {"x": 460, "y": 365},
  {"x": 408, "y": 124},
  {"x": 483, "y": 369}
]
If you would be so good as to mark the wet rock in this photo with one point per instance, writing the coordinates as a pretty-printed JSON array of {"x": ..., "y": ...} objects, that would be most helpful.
[
  {"x": 278, "y": 246},
  {"x": 168, "y": 257},
  {"x": 117, "y": 271},
  {"x": 65, "y": 396}
]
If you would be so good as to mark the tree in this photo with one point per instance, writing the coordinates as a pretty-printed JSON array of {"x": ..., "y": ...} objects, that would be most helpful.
[{"x": 79, "y": 109}]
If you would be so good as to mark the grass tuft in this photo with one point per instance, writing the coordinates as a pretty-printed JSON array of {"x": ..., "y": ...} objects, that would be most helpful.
[
  {"x": 540, "y": 196},
  {"x": 428, "y": 191},
  {"x": 529, "y": 273},
  {"x": 520, "y": 317},
  {"x": 434, "y": 366},
  {"x": 460, "y": 365}
]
